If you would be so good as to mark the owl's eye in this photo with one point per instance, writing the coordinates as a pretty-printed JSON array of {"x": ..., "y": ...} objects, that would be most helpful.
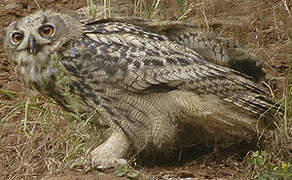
[
  {"x": 17, "y": 37},
  {"x": 47, "y": 30}
]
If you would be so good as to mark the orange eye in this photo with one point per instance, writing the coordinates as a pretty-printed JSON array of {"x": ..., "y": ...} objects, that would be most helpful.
[
  {"x": 17, "y": 37},
  {"x": 47, "y": 30}
]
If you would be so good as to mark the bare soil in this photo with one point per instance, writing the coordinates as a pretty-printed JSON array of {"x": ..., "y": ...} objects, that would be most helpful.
[{"x": 261, "y": 26}]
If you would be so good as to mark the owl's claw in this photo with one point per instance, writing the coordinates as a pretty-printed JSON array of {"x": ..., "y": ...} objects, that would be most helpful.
[
  {"x": 108, "y": 163},
  {"x": 111, "y": 153}
]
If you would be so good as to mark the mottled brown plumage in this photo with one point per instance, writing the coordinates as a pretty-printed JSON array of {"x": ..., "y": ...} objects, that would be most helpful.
[
  {"x": 154, "y": 91},
  {"x": 223, "y": 51}
]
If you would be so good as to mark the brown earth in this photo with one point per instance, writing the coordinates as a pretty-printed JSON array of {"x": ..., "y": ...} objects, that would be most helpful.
[{"x": 261, "y": 26}]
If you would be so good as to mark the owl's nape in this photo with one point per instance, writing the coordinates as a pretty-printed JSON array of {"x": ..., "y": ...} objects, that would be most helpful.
[{"x": 146, "y": 86}]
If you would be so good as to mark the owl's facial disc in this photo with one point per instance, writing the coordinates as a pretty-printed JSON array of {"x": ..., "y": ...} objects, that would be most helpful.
[
  {"x": 35, "y": 33},
  {"x": 32, "y": 40}
]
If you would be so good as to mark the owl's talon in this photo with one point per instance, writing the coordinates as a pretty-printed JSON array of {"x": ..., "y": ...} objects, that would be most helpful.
[
  {"x": 108, "y": 163},
  {"x": 111, "y": 153}
]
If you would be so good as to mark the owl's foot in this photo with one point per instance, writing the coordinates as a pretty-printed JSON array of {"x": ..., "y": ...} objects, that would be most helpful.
[{"x": 111, "y": 153}]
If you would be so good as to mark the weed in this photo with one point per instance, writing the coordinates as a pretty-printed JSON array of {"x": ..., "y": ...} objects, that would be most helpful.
[
  {"x": 127, "y": 171},
  {"x": 264, "y": 169}
]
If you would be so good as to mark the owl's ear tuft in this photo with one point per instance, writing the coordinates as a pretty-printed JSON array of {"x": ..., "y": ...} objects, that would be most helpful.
[{"x": 65, "y": 24}]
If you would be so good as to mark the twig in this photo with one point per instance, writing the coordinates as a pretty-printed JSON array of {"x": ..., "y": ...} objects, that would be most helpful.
[
  {"x": 205, "y": 18},
  {"x": 36, "y": 2},
  {"x": 155, "y": 9},
  {"x": 184, "y": 15},
  {"x": 270, "y": 89},
  {"x": 286, "y": 7}
]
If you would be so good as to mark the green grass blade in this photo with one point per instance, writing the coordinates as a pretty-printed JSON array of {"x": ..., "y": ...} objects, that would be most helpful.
[{"x": 26, "y": 109}]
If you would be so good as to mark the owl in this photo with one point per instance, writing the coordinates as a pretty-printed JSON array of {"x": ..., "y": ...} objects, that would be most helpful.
[{"x": 153, "y": 93}]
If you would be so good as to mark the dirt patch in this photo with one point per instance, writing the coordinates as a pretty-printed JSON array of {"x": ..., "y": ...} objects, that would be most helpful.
[{"x": 261, "y": 26}]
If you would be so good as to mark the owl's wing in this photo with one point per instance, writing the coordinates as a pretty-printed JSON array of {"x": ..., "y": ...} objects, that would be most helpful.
[
  {"x": 203, "y": 79},
  {"x": 154, "y": 63},
  {"x": 223, "y": 51}
]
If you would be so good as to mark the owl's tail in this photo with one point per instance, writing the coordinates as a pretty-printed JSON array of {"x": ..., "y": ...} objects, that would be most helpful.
[{"x": 267, "y": 109}]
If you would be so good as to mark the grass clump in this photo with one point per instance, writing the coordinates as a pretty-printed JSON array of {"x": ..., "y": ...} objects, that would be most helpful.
[
  {"x": 274, "y": 161},
  {"x": 50, "y": 140},
  {"x": 91, "y": 8}
]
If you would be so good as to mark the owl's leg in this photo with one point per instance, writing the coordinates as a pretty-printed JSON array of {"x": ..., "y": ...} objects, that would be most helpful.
[{"x": 112, "y": 152}]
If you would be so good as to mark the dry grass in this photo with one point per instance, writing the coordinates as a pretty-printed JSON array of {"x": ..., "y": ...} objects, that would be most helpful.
[{"x": 49, "y": 140}]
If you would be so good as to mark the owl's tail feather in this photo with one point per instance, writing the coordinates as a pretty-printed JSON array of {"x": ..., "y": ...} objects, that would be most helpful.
[{"x": 260, "y": 105}]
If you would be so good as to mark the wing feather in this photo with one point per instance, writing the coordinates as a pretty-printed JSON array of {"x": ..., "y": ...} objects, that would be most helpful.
[{"x": 155, "y": 63}]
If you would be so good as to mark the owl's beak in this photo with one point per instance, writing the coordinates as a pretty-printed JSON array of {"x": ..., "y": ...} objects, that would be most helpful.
[{"x": 33, "y": 48}]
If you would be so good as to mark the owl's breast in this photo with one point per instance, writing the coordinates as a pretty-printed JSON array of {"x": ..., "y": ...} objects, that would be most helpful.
[{"x": 86, "y": 79}]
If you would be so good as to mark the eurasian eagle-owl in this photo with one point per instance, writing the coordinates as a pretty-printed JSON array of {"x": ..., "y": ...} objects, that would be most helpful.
[{"x": 153, "y": 92}]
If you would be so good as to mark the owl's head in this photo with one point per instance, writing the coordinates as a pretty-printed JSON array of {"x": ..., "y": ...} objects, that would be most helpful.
[
  {"x": 30, "y": 40},
  {"x": 30, "y": 43}
]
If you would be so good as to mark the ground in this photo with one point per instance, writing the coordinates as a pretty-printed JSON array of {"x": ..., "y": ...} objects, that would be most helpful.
[{"x": 36, "y": 143}]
